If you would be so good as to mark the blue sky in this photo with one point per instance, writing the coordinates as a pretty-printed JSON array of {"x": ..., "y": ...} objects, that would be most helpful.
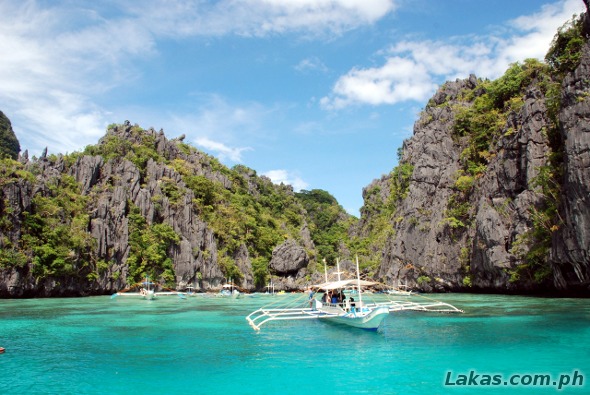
[{"x": 313, "y": 93}]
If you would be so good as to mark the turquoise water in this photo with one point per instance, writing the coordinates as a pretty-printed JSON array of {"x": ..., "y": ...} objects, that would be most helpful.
[{"x": 99, "y": 345}]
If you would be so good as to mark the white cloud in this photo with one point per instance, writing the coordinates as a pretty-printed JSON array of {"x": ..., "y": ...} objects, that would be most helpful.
[
  {"x": 259, "y": 17},
  {"x": 541, "y": 28},
  {"x": 58, "y": 58},
  {"x": 412, "y": 70},
  {"x": 71, "y": 115},
  {"x": 223, "y": 127},
  {"x": 398, "y": 80},
  {"x": 311, "y": 64},
  {"x": 285, "y": 177},
  {"x": 217, "y": 118},
  {"x": 49, "y": 74},
  {"x": 222, "y": 150}
]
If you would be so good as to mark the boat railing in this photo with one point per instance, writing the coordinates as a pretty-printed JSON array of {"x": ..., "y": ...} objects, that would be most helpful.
[{"x": 344, "y": 306}]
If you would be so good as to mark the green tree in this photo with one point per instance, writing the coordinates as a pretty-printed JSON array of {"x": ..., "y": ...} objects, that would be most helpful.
[
  {"x": 149, "y": 245},
  {"x": 328, "y": 222},
  {"x": 56, "y": 231},
  {"x": 9, "y": 145},
  {"x": 565, "y": 52}
]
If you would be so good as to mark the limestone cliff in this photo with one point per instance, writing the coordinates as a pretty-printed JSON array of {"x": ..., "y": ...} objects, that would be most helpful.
[
  {"x": 139, "y": 204},
  {"x": 492, "y": 190}
]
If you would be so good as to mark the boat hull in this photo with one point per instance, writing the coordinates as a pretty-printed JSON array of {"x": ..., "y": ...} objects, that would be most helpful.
[
  {"x": 369, "y": 321},
  {"x": 149, "y": 295},
  {"x": 235, "y": 294}
]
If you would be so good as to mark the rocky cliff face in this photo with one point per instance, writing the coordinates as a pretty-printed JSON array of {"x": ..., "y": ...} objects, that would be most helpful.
[
  {"x": 493, "y": 228},
  {"x": 420, "y": 247},
  {"x": 119, "y": 182},
  {"x": 570, "y": 252}
]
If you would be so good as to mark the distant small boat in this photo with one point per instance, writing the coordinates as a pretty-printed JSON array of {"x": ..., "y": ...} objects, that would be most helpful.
[
  {"x": 399, "y": 291},
  {"x": 270, "y": 288},
  {"x": 230, "y": 290},
  {"x": 2, "y": 350},
  {"x": 147, "y": 291}
]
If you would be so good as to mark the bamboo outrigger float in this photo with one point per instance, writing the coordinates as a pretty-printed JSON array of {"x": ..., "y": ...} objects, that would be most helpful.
[{"x": 337, "y": 308}]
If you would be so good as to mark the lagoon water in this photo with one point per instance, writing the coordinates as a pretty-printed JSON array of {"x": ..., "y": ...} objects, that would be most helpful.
[{"x": 99, "y": 345}]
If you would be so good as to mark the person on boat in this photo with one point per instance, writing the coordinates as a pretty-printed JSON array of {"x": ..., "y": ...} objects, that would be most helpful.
[
  {"x": 352, "y": 304},
  {"x": 342, "y": 297},
  {"x": 346, "y": 304},
  {"x": 334, "y": 298},
  {"x": 311, "y": 296}
]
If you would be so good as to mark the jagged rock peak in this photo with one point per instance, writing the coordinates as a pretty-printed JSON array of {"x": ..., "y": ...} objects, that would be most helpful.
[{"x": 452, "y": 90}]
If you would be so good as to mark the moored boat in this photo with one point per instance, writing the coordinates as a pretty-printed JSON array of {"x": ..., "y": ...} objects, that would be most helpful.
[
  {"x": 355, "y": 313},
  {"x": 337, "y": 308},
  {"x": 230, "y": 290}
]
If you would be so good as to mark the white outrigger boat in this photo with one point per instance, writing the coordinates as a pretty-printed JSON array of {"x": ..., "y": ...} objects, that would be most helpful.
[
  {"x": 229, "y": 289},
  {"x": 361, "y": 313},
  {"x": 399, "y": 291}
]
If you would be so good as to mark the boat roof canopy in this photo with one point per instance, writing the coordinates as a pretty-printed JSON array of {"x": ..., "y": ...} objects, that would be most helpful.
[{"x": 331, "y": 285}]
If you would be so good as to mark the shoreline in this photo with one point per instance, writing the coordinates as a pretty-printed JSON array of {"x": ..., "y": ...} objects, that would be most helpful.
[{"x": 554, "y": 294}]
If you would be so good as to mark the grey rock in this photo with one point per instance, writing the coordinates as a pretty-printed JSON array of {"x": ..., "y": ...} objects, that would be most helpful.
[
  {"x": 571, "y": 244},
  {"x": 430, "y": 256},
  {"x": 288, "y": 258}
]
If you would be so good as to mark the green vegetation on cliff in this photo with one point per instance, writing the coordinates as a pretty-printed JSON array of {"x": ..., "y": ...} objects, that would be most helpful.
[
  {"x": 242, "y": 210},
  {"x": 484, "y": 117},
  {"x": 9, "y": 145},
  {"x": 328, "y": 223},
  {"x": 485, "y": 120},
  {"x": 224, "y": 200},
  {"x": 53, "y": 237}
]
